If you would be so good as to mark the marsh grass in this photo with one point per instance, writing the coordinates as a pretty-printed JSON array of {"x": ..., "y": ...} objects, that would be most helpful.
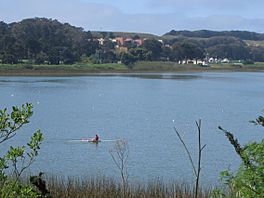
[{"x": 104, "y": 187}]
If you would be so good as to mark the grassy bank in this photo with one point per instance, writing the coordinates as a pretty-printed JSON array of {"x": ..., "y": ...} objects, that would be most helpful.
[
  {"x": 75, "y": 69},
  {"x": 108, "y": 188},
  {"x": 143, "y": 66},
  {"x": 158, "y": 66}
]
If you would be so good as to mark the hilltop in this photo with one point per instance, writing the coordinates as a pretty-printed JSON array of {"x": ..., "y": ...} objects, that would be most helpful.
[{"x": 244, "y": 35}]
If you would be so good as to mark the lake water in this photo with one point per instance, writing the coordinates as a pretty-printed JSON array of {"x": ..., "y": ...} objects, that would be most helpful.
[{"x": 142, "y": 109}]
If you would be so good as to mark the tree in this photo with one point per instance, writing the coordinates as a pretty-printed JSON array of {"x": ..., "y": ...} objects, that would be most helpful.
[
  {"x": 18, "y": 158},
  {"x": 3, "y": 34},
  {"x": 108, "y": 45},
  {"x": 136, "y": 37},
  {"x": 222, "y": 40},
  {"x": 119, "y": 155},
  {"x": 104, "y": 34},
  {"x": 41, "y": 58},
  {"x": 167, "y": 54},
  {"x": 30, "y": 39},
  {"x": 257, "y": 53},
  {"x": 10, "y": 50},
  {"x": 231, "y": 51},
  {"x": 139, "y": 53},
  {"x": 154, "y": 46},
  {"x": 111, "y": 35},
  {"x": 127, "y": 58},
  {"x": 108, "y": 57},
  {"x": 187, "y": 50}
]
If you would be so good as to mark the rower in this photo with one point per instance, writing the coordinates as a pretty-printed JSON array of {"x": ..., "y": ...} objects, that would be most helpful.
[{"x": 96, "y": 138}]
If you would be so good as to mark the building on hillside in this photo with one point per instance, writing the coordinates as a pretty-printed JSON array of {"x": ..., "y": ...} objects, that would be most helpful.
[
  {"x": 212, "y": 60},
  {"x": 113, "y": 40},
  {"x": 139, "y": 42},
  {"x": 168, "y": 46},
  {"x": 101, "y": 41},
  {"x": 225, "y": 60},
  {"x": 120, "y": 41},
  {"x": 128, "y": 41},
  {"x": 199, "y": 62}
]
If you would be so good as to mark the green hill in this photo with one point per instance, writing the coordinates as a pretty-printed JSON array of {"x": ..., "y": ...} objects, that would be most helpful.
[{"x": 243, "y": 35}]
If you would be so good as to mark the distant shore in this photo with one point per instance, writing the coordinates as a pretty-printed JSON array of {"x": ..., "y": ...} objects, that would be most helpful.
[{"x": 107, "y": 69}]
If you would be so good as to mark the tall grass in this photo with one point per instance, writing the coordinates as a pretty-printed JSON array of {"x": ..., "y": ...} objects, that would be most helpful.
[{"x": 107, "y": 188}]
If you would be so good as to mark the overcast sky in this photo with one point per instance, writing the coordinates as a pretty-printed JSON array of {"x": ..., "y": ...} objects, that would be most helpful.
[{"x": 150, "y": 16}]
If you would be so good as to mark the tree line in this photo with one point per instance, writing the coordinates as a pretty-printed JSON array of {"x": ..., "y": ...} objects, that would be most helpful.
[
  {"x": 44, "y": 40},
  {"x": 47, "y": 41}
]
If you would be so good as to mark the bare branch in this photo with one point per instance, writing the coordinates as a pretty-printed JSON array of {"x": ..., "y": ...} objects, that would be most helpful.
[
  {"x": 187, "y": 150},
  {"x": 203, "y": 147},
  {"x": 200, "y": 148}
]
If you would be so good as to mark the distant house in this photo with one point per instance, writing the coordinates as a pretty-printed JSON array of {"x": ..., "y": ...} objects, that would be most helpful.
[
  {"x": 200, "y": 62},
  {"x": 101, "y": 41},
  {"x": 225, "y": 60},
  {"x": 194, "y": 61},
  {"x": 191, "y": 61},
  {"x": 169, "y": 46},
  {"x": 120, "y": 41},
  {"x": 128, "y": 40},
  {"x": 211, "y": 60},
  {"x": 113, "y": 40},
  {"x": 139, "y": 42}
]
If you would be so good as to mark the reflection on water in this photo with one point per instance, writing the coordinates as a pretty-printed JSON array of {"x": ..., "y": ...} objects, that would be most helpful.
[
  {"x": 33, "y": 80},
  {"x": 170, "y": 76},
  {"x": 165, "y": 76},
  {"x": 66, "y": 80}
]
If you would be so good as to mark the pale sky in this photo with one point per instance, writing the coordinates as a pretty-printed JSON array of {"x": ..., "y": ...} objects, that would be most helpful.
[{"x": 150, "y": 16}]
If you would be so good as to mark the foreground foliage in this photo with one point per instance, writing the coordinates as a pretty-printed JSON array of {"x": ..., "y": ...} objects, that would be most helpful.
[
  {"x": 17, "y": 159},
  {"x": 248, "y": 181}
]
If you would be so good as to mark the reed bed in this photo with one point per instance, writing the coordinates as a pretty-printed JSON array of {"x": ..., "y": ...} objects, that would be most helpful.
[{"x": 102, "y": 187}]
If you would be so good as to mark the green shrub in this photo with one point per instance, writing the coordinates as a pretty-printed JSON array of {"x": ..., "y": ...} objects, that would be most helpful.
[
  {"x": 248, "y": 180},
  {"x": 17, "y": 159},
  {"x": 12, "y": 189}
]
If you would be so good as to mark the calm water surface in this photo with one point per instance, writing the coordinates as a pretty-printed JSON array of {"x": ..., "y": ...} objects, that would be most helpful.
[{"x": 142, "y": 109}]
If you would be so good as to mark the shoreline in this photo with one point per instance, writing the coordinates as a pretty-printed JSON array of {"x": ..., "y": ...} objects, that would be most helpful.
[{"x": 85, "y": 71}]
